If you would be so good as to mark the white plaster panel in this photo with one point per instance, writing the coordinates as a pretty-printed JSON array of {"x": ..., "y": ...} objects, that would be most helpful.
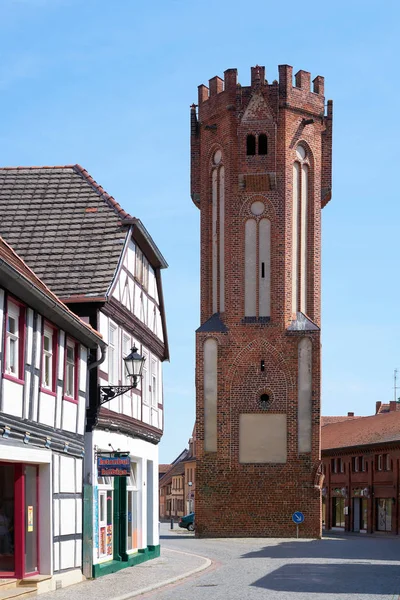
[
  {"x": 131, "y": 291},
  {"x": 265, "y": 259},
  {"x": 35, "y": 397},
  {"x": 250, "y": 270},
  {"x": 127, "y": 405},
  {"x": 78, "y": 553},
  {"x": 27, "y": 393},
  {"x": 131, "y": 257},
  {"x": 103, "y": 327},
  {"x": 29, "y": 335},
  {"x": 56, "y": 517},
  {"x": 23, "y": 454},
  {"x": 152, "y": 282},
  {"x": 78, "y": 515},
  {"x": 12, "y": 398},
  {"x": 46, "y": 518},
  {"x": 304, "y": 243},
  {"x": 151, "y": 317},
  {"x": 81, "y": 416},
  {"x": 59, "y": 406},
  {"x": 69, "y": 416},
  {"x": 136, "y": 406},
  {"x": 67, "y": 516},
  {"x": 160, "y": 333},
  {"x": 138, "y": 304},
  {"x": 146, "y": 414},
  {"x": 221, "y": 239},
  {"x": 262, "y": 438},
  {"x": 38, "y": 340},
  {"x": 210, "y": 394},
  {"x": 67, "y": 474},
  {"x": 295, "y": 234},
  {"x": 67, "y": 554},
  {"x": 47, "y": 409},
  {"x": 56, "y": 556},
  {"x": 78, "y": 475},
  {"x": 56, "y": 473},
  {"x": 61, "y": 343},
  {"x": 305, "y": 395},
  {"x": 83, "y": 369}
]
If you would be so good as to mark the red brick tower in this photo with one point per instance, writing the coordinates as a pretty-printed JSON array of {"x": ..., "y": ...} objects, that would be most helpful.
[{"x": 260, "y": 173}]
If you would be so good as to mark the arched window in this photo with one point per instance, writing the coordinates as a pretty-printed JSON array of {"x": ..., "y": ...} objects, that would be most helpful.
[
  {"x": 218, "y": 233},
  {"x": 257, "y": 268},
  {"x": 262, "y": 144},
  {"x": 251, "y": 145},
  {"x": 300, "y": 210}
]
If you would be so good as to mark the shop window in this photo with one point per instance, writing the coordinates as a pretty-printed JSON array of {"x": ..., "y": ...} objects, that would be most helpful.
[
  {"x": 105, "y": 523},
  {"x": 384, "y": 514},
  {"x": 338, "y": 518},
  {"x": 262, "y": 144},
  {"x": 132, "y": 510},
  {"x": 14, "y": 350}
]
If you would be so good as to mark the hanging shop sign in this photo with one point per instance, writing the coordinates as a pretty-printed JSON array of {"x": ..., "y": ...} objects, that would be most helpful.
[{"x": 114, "y": 465}]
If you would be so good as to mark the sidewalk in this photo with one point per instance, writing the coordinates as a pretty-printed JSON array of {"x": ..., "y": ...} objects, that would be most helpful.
[{"x": 170, "y": 567}]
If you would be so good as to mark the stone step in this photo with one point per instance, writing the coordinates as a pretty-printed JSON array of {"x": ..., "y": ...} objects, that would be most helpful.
[
  {"x": 8, "y": 584},
  {"x": 34, "y": 580},
  {"x": 18, "y": 593}
]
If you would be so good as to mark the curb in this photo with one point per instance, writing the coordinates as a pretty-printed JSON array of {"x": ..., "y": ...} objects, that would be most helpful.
[{"x": 166, "y": 582}]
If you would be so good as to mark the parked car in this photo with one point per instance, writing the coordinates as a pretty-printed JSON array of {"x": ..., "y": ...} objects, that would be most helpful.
[{"x": 187, "y": 522}]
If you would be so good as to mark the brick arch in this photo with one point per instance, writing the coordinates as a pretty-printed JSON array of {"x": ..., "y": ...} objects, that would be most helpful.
[
  {"x": 270, "y": 212},
  {"x": 212, "y": 150}
]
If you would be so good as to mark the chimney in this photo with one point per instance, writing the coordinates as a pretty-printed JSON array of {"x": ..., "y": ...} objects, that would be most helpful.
[
  {"x": 378, "y": 407},
  {"x": 392, "y": 406},
  {"x": 350, "y": 414}
]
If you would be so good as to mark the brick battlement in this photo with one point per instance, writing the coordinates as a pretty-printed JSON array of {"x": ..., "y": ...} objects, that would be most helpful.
[{"x": 296, "y": 92}]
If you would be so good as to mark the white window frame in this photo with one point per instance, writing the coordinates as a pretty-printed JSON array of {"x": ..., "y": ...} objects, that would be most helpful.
[
  {"x": 48, "y": 359},
  {"x": 154, "y": 383},
  {"x": 68, "y": 367},
  {"x": 145, "y": 379},
  {"x": 356, "y": 466},
  {"x": 13, "y": 340},
  {"x": 388, "y": 463},
  {"x": 112, "y": 353},
  {"x": 126, "y": 348},
  {"x": 131, "y": 487}
]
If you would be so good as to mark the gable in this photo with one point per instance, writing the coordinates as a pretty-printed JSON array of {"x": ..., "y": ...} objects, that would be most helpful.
[{"x": 257, "y": 109}]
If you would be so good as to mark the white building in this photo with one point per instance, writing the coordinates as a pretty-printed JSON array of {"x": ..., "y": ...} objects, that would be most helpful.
[
  {"x": 103, "y": 263},
  {"x": 43, "y": 394}
]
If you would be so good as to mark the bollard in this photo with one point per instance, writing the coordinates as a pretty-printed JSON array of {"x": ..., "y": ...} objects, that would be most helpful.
[{"x": 172, "y": 523}]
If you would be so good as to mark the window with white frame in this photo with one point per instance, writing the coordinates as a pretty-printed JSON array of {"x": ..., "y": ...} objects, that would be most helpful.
[
  {"x": 132, "y": 509},
  {"x": 141, "y": 268},
  {"x": 154, "y": 389},
  {"x": 112, "y": 354},
  {"x": 13, "y": 339},
  {"x": 145, "y": 379},
  {"x": 379, "y": 462},
  {"x": 126, "y": 348},
  {"x": 70, "y": 369},
  {"x": 48, "y": 359},
  {"x": 105, "y": 531}
]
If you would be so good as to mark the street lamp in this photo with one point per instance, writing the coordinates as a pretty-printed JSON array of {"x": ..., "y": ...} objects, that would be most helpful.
[{"x": 133, "y": 369}]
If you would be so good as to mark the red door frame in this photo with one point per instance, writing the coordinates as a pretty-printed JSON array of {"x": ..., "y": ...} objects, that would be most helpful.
[{"x": 19, "y": 521}]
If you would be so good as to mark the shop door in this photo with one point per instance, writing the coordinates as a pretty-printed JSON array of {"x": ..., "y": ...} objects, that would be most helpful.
[
  {"x": 356, "y": 514},
  {"x": 384, "y": 514},
  {"x": 7, "y": 502},
  {"x": 18, "y": 520}
]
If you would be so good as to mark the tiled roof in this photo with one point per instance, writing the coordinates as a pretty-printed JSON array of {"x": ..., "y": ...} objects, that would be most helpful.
[
  {"x": 381, "y": 428},
  {"x": 163, "y": 468},
  {"x": 9, "y": 256},
  {"x": 64, "y": 225},
  {"x": 330, "y": 420}
]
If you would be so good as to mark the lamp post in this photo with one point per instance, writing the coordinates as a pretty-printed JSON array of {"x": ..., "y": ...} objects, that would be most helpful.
[
  {"x": 133, "y": 369},
  {"x": 190, "y": 483}
]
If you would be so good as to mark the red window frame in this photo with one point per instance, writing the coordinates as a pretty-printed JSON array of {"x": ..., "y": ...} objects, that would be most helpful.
[
  {"x": 75, "y": 397},
  {"x": 53, "y": 390},
  {"x": 21, "y": 341}
]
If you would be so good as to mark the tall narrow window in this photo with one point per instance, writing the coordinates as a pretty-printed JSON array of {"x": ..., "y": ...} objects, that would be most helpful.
[
  {"x": 300, "y": 225},
  {"x": 13, "y": 340},
  {"x": 49, "y": 353},
  {"x": 70, "y": 369},
  {"x": 126, "y": 348},
  {"x": 112, "y": 354},
  {"x": 132, "y": 510},
  {"x": 262, "y": 144},
  {"x": 264, "y": 254},
  {"x": 250, "y": 268},
  {"x": 154, "y": 391},
  {"x": 251, "y": 145},
  {"x": 218, "y": 234},
  {"x": 257, "y": 267}
]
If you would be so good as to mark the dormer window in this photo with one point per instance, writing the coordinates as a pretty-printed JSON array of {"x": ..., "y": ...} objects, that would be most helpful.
[
  {"x": 251, "y": 145},
  {"x": 262, "y": 144}
]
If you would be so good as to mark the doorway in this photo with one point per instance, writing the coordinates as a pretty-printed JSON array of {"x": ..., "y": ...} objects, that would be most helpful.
[
  {"x": 18, "y": 520},
  {"x": 384, "y": 514}
]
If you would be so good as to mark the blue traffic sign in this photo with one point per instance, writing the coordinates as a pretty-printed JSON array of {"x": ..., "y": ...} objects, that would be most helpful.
[{"x": 297, "y": 517}]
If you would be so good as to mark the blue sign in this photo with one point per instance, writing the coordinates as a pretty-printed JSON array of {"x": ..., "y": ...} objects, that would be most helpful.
[
  {"x": 114, "y": 466},
  {"x": 297, "y": 517}
]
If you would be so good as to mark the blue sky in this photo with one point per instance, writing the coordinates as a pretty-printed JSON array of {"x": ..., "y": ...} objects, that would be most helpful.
[{"x": 109, "y": 84}]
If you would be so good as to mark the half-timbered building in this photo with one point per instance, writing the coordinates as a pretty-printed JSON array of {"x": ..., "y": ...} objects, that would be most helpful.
[
  {"x": 44, "y": 349},
  {"x": 104, "y": 265}
]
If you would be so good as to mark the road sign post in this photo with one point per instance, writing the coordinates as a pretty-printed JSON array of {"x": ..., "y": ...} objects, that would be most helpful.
[{"x": 297, "y": 518}]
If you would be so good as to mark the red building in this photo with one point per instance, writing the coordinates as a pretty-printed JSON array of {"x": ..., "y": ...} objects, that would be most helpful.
[
  {"x": 260, "y": 174},
  {"x": 361, "y": 462}
]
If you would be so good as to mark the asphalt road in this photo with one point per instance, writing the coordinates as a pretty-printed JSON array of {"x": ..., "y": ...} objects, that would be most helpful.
[{"x": 334, "y": 568}]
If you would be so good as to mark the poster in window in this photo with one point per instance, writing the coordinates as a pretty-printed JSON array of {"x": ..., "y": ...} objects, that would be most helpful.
[
  {"x": 109, "y": 540},
  {"x": 30, "y": 518},
  {"x": 102, "y": 550}
]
